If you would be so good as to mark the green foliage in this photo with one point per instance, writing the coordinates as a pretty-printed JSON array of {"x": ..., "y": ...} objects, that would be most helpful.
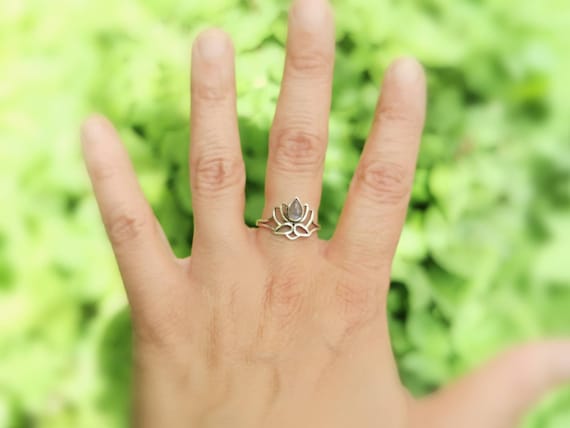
[{"x": 482, "y": 261}]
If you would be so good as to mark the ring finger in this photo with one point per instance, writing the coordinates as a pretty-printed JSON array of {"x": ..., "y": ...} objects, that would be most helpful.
[{"x": 299, "y": 135}]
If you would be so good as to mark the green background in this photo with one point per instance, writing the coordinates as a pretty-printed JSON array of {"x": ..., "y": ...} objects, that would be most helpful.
[{"x": 483, "y": 260}]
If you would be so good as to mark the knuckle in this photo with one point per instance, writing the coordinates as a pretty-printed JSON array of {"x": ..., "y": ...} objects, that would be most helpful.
[
  {"x": 160, "y": 332},
  {"x": 104, "y": 171},
  {"x": 125, "y": 226},
  {"x": 217, "y": 173},
  {"x": 311, "y": 63},
  {"x": 389, "y": 112},
  {"x": 284, "y": 297},
  {"x": 383, "y": 181},
  {"x": 298, "y": 151},
  {"x": 357, "y": 302},
  {"x": 210, "y": 91}
]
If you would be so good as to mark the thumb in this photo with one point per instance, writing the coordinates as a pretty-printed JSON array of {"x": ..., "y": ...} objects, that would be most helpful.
[{"x": 498, "y": 394}]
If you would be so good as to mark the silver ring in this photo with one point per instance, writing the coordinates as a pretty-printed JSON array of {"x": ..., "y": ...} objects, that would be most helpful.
[{"x": 292, "y": 221}]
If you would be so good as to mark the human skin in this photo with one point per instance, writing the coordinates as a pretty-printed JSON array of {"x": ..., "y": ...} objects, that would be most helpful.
[{"x": 253, "y": 330}]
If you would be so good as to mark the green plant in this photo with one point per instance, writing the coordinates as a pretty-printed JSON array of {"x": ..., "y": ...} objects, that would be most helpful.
[{"x": 482, "y": 259}]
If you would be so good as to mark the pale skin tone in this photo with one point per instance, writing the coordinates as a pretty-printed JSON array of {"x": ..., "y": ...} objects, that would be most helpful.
[{"x": 253, "y": 330}]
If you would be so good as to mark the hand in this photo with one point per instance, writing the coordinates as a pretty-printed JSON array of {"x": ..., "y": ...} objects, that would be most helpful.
[{"x": 254, "y": 330}]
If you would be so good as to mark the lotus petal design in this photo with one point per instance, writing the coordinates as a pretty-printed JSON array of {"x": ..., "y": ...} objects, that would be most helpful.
[{"x": 294, "y": 220}]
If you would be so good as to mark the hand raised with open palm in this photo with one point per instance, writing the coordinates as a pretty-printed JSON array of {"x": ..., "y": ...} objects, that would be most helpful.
[{"x": 255, "y": 330}]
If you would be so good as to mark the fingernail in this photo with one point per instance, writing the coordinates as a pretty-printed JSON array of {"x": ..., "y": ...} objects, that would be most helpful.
[
  {"x": 212, "y": 44},
  {"x": 405, "y": 71},
  {"x": 309, "y": 13}
]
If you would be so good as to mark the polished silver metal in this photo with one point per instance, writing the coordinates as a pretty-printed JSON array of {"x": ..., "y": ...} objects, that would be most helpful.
[{"x": 292, "y": 221}]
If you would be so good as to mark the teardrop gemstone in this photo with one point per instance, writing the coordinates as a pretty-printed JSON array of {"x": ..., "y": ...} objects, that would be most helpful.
[{"x": 295, "y": 210}]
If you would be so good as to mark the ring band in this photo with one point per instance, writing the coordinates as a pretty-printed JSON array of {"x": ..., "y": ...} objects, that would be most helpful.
[{"x": 292, "y": 221}]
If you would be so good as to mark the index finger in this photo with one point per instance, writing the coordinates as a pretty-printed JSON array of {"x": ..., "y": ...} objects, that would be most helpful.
[{"x": 135, "y": 235}]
